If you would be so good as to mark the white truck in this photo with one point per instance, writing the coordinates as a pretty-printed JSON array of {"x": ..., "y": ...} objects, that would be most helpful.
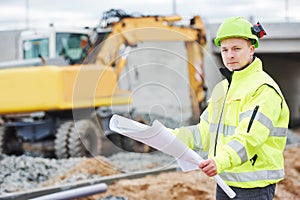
[{"x": 40, "y": 45}]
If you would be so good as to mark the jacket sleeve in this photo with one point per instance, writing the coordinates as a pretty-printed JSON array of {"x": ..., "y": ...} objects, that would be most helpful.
[
  {"x": 258, "y": 114},
  {"x": 195, "y": 136}
]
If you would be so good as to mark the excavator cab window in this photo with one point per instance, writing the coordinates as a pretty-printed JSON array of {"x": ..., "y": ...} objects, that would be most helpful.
[
  {"x": 35, "y": 48},
  {"x": 74, "y": 47}
]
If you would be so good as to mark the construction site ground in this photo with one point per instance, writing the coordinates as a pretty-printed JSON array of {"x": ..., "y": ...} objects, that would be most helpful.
[
  {"x": 173, "y": 184},
  {"x": 193, "y": 185}
]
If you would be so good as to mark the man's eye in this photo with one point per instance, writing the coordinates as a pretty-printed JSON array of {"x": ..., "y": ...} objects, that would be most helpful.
[{"x": 224, "y": 50}]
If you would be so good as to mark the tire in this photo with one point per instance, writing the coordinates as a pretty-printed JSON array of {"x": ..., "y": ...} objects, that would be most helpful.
[
  {"x": 84, "y": 139},
  {"x": 9, "y": 142},
  {"x": 61, "y": 139},
  {"x": 2, "y": 142}
]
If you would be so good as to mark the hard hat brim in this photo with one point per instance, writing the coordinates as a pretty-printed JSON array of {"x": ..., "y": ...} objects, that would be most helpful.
[{"x": 218, "y": 40}]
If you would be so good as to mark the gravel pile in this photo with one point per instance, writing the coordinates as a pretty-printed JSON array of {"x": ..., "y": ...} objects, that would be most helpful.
[
  {"x": 132, "y": 162},
  {"x": 24, "y": 172}
]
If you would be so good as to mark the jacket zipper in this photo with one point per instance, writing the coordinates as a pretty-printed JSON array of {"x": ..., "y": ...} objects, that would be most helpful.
[
  {"x": 218, "y": 127},
  {"x": 249, "y": 125}
]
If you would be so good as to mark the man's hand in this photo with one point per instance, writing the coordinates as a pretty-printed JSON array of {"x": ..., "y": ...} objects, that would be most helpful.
[{"x": 208, "y": 167}]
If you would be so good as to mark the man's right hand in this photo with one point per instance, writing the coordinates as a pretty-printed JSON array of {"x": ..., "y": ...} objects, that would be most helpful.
[{"x": 208, "y": 167}]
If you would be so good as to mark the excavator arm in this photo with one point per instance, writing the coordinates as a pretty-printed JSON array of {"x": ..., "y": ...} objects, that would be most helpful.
[{"x": 128, "y": 31}]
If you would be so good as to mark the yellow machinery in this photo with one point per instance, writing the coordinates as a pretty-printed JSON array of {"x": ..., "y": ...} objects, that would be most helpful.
[
  {"x": 48, "y": 88},
  {"x": 53, "y": 108}
]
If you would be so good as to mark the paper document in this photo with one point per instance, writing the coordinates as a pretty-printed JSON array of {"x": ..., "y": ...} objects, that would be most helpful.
[{"x": 158, "y": 137}]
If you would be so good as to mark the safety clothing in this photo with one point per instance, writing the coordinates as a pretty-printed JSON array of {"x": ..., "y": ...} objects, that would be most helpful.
[
  {"x": 236, "y": 27},
  {"x": 244, "y": 129}
]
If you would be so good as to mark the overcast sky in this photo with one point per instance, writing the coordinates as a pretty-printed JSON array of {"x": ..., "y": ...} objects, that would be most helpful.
[{"x": 15, "y": 13}]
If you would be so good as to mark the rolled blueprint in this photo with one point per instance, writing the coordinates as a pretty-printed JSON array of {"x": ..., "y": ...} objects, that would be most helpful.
[{"x": 158, "y": 137}]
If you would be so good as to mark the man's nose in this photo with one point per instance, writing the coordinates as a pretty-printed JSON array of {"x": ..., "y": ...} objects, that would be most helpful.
[{"x": 230, "y": 54}]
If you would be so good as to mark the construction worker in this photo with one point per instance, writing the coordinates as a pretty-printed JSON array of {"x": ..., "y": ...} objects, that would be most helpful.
[{"x": 244, "y": 127}]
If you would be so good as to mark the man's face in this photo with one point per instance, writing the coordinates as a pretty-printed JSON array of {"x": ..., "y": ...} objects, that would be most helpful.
[{"x": 236, "y": 53}]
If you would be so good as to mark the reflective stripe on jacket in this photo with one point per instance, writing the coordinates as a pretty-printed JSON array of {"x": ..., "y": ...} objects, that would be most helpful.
[{"x": 250, "y": 118}]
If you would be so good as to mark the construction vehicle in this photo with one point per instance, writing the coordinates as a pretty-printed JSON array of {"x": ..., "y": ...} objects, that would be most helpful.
[
  {"x": 58, "y": 109},
  {"x": 36, "y": 44}
]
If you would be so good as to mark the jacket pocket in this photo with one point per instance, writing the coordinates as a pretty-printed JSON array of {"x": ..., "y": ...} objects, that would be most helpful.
[
  {"x": 216, "y": 106},
  {"x": 232, "y": 111}
]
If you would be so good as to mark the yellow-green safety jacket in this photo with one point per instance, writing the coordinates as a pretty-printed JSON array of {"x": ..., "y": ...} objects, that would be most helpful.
[{"x": 249, "y": 117}]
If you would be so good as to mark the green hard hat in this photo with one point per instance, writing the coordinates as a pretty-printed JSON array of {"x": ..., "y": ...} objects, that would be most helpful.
[{"x": 236, "y": 27}]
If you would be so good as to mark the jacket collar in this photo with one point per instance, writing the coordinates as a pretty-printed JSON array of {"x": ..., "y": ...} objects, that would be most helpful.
[
  {"x": 226, "y": 73},
  {"x": 256, "y": 65}
]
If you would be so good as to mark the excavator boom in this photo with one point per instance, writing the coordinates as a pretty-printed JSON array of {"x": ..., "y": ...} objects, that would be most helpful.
[{"x": 128, "y": 31}]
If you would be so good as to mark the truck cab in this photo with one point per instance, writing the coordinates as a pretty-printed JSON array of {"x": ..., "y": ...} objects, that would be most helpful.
[{"x": 72, "y": 44}]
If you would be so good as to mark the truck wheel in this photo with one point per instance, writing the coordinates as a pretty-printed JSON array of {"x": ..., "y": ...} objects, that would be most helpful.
[
  {"x": 61, "y": 139},
  {"x": 2, "y": 132},
  {"x": 9, "y": 142},
  {"x": 84, "y": 139},
  {"x": 2, "y": 140}
]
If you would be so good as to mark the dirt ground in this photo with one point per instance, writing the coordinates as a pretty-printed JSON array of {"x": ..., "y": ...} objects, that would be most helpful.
[
  {"x": 93, "y": 166},
  {"x": 289, "y": 187},
  {"x": 195, "y": 185}
]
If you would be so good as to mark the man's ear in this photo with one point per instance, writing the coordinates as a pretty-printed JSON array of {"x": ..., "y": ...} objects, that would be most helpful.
[{"x": 252, "y": 50}]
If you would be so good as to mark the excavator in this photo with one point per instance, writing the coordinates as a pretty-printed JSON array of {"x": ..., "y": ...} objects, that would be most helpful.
[{"x": 62, "y": 111}]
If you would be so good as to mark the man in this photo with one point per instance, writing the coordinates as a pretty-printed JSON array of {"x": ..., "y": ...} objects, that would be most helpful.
[{"x": 244, "y": 127}]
